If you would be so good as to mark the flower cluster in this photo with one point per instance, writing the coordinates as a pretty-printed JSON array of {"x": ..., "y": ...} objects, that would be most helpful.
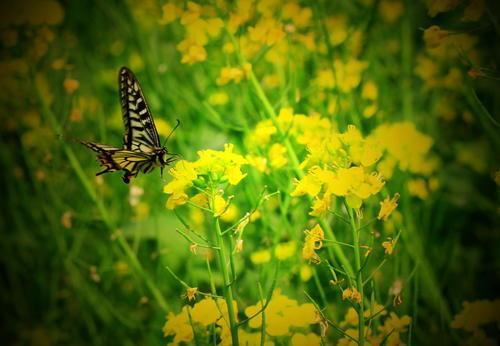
[
  {"x": 212, "y": 168},
  {"x": 313, "y": 241},
  {"x": 282, "y": 315}
]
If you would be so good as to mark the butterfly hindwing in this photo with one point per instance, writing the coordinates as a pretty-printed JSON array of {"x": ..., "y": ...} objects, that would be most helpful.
[
  {"x": 114, "y": 159},
  {"x": 140, "y": 130}
]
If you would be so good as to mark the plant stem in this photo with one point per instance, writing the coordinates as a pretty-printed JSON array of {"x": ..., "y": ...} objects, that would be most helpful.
[
  {"x": 359, "y": 277},
  {"x": 227, "y": 288}
]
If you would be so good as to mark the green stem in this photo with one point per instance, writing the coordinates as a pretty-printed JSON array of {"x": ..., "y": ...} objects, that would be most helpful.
[
  {"x": 359, "y": 278},
  {"x": 407, "y": 62},
  {"x": 227, "y": 288}
]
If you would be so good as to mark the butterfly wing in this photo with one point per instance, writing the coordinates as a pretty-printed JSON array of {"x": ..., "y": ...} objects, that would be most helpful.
[
  {"x": 115, "y": 159},
  {"x": 140, "y": 130}
]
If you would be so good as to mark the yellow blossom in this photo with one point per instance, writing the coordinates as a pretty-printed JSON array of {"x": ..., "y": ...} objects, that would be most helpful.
[
  {"x": 228, "y": 74},
  {"x": 370, "y": 110},
  {"x": 390, "y": 10},
  {"x": 205, "y": 312},
  {"x": 418, "y": 188},
  {"x": 277, "y": 155},
  {"x": 395, "y": 324},
  {"x": 388, "y": 245},
  {"x": 474, "y": 10},
  {"x": 477, "y": 314},
  {"x": 320, "y": 205},
  {"x": 170, "y": 13},
  {"x": 306, "y": 272},
  {"x": 286, "y": 250},
  {"x": 434, "y": 36},
  {"x": 369, "y": 91},
  {"x": 192, "y": 51},
  {"x": 71, "y": 85},
  {"x": 311, "y": 339},
  {"x": 179, "y": 326},
  {"x": 351, "y": 294},
  {"x": 435, "y": 7},
  {"x": 387, "y": 206},
  {"x": 191, "y": 293},
  {"x": 337, "y": 28},
  {"x": 260, "y": 257},
  {"x": 218, "y": 98}
]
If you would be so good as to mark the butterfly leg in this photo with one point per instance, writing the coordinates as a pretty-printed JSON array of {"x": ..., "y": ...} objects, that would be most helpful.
[{"x": 126, "y": 177}]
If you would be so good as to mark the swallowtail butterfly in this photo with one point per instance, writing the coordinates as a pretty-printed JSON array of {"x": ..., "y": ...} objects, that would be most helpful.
[{"x": 142, "y": 150}]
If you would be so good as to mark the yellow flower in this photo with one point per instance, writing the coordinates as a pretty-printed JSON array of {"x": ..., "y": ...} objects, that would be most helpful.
[
  {"x": 320, "y": 205},
  {"x": 179, "y": 326},
  {"x": 259, "y": 162},
  {"x": 337, "y": 28},
  {"x": 285, "y": 250},
  {"x": 220, "y": 205},
  {"x": 351, "y": 294},
  {"x": 350, "y": 318},
  {"x": 281, "y": 314},
  {"x": 228, "y": 74},
  {"x": 349, "y": 73},
  {"x": 325, "y": 79},
  {"x": 218, "y": 98},
  {"x": 434, "y": 36},
  {"x": 170, "y": 13},
  {"x": 311, "y": 339},
  {"x": 387, "y": 206},
  {"x": 277, "y": 155},
  {"x": 390, "y": 10},
  {"x": 313, "y": 241},
  {"x": 205, "y": 311},
  {"x": 305, "y": 272},
  {"x": 474, "y": 11},
  {"x": 435, "y": 7},
  {"x": 395, "y": 324},
  {"x": 388, "y": 245},
  {"x": 224, "y": 164},
  {"x": 260, "y": 257},
  {"x": 191, "y": 293},
  {"x": 370, "y": 110},
  {"x": 71, "y": 85},
  {"x": 271, "y": 81},
  {"x": 418, "y": 188},
  {"x": 267, "y": 31},
  {"x": 369, "y": 91},
  {"x": 183, "y": 174},
  {"x": 192, "y": 51},
  {"x": 310, "y": 184},
  {"x": 476, "y": 314}
]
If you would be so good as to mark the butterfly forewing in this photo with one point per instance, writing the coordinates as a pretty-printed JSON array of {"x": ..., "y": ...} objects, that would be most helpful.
[{"x": 140, "y": 130}]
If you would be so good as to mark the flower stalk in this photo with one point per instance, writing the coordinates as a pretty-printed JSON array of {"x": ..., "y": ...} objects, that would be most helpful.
[
  {"x": 227, "y": 288},
  {"x": 359, "y": 276}
]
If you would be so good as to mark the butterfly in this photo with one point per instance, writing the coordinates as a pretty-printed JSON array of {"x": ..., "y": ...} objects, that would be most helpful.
[{"x": 142, "y": 150}]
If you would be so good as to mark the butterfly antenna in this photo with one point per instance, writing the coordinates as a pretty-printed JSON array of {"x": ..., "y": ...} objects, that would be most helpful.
[{"x": 172, "y": 131}]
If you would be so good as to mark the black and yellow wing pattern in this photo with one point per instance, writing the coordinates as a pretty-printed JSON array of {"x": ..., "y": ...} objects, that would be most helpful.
[{"x": 142, "y": 150}]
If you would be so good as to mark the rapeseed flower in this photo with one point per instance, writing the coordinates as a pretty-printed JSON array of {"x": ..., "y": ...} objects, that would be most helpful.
[
  {"x": 282, "y": 313},
  {"x": 214, "y": 166},
  {"x": 351, "y": 293},
  {"x": 387, "y": 206}
]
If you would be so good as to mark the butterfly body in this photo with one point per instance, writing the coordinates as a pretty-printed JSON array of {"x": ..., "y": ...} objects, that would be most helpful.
[{"x": 142, "y": 150}]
